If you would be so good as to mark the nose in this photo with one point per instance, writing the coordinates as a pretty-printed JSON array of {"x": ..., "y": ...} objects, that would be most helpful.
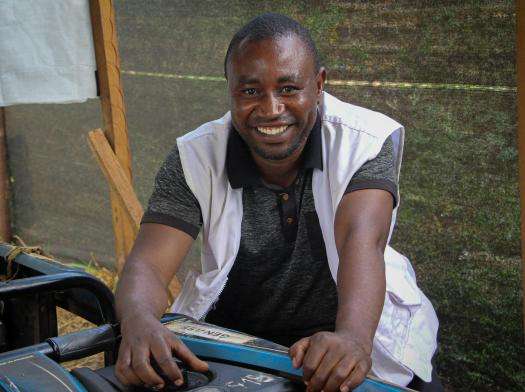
[{"x": 270, "y": 106}]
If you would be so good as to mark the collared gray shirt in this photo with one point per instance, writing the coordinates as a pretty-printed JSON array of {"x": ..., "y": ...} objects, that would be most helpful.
[{"x": 280, "y": 287}]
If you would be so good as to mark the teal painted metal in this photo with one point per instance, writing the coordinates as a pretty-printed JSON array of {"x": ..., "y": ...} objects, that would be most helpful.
[
  {"x": 266, "y": 359},
  {"x": 35, "y": 372}
]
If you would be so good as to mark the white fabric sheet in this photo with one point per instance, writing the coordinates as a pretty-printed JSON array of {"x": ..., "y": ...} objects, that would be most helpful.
[{"x": 46, "y": 52}]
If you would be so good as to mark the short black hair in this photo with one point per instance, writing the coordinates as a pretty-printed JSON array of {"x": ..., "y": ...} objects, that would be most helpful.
[{"x": 271, "y": 25}]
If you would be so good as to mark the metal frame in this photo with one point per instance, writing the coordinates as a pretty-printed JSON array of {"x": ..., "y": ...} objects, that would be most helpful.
[{"x": 33, "y": 291}]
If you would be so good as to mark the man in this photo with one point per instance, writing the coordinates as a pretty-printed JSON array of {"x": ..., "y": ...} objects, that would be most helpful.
[{"x": 294, "y": 192}]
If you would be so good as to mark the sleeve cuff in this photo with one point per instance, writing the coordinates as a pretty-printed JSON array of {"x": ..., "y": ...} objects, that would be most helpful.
[
  {"x": 386, "y": 185},
  {"x": 172, "y": 221}
]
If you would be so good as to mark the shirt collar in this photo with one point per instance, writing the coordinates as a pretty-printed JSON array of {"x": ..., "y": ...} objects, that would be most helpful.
[{"x": 242, "y": 170}]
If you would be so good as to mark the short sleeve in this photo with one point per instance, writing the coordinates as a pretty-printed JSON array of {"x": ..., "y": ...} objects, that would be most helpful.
[
  {"x": 172, "y": 203},
  {"x": 378, "y": 173}
]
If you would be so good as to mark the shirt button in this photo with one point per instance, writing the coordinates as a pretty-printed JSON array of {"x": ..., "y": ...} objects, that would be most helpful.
[
  {"x": 289, "y": 220},
  {"x": 285, "y": 196}
]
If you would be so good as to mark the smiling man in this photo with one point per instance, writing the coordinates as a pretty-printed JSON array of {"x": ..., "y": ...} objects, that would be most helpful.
[{"x": 295, "y": 193}]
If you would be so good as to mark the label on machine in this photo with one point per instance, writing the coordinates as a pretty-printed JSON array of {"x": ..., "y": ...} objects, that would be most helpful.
[{"x": 186, "y": 326}]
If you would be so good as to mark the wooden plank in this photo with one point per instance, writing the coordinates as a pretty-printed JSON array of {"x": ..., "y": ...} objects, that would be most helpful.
[
  {"x": 116, "y": 177},
  {"x": 5, "y": 221},
  {"x": 113, "y": 112},
  {"x": 520, "y": 67},
  {"x": 119, "y": 183}
]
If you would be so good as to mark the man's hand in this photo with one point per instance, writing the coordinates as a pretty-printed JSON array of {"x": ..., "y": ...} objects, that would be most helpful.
[
  {"x": 331, "y": 361},
  {"x": 145, "y": 338},
  {"x": 141, "y": 298}
]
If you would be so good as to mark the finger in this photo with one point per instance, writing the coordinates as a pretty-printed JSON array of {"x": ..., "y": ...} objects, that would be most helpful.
[
  {"x": 142, "y": 367},
  {"x": 356, "y": 377},
  {"x": 161, "y": 351},
  {"x": 323, "y": 371},
  {"x": 123, "y": 369},
  {"x": 298, "y": 351},
  {"x": 339, "y": 374},
  {"x": 184, "y": 354},
  {"x": 314, "y": 355}
]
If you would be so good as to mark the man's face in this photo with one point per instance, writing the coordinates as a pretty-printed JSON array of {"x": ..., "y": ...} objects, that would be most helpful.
[{"x": 274, "y": 91}]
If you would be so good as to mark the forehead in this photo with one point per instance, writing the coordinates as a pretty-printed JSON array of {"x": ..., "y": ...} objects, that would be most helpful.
[{"x": 285, "y": 54}]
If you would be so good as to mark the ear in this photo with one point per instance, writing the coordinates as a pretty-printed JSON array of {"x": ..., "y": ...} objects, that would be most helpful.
[{"x": 320, "y": 80}]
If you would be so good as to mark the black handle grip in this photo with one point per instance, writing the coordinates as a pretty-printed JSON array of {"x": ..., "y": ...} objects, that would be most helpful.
[{"x": 83, "y": 343}]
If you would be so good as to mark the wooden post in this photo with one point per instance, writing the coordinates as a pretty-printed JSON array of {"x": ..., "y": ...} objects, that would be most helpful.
[
  {"x": 5, "y": 221},
  {"x": 113, "y": 112},
  {"x": 520, "y": 68}
]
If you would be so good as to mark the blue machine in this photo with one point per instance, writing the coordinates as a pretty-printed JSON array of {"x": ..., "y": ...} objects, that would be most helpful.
[
  {"x": 30, "y": 354},
  {"x": 236, "y": 361},
  {"x": 209, "y": 341}
]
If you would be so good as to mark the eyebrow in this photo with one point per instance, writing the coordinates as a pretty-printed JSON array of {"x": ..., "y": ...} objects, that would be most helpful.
[
  {"x": 243, "y": 79},
  {"x": 293, "y": 78},
  {"x": 288, "y": 78}
]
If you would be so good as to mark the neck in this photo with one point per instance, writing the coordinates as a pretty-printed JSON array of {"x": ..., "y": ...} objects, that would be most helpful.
[{"x": 282, "y": 172}]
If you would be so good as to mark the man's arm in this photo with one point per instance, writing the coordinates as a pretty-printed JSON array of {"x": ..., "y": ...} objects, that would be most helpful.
[
  {"x": 340, "y": 360},
  {"x": 142, "y": 298}
]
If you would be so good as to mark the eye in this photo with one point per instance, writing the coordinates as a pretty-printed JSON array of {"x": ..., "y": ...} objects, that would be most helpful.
[
  {"x": 249, "y": 91},
  {"x": 289, "y": 89}
]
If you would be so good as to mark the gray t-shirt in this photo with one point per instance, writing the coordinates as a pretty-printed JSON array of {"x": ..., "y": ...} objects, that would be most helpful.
[{"x": 280, "y": 287}]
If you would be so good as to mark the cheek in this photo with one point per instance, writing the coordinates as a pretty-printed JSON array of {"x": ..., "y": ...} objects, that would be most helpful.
[
  {"x": 236, "y": 107},
  {"x": 242, "y": 110},
  {"x": 240, "y": 115},
  {"x": 305, "y": 107}
]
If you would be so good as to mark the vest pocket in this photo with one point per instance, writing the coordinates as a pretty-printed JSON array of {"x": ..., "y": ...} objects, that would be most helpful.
[{"x": 400, "y": 279}]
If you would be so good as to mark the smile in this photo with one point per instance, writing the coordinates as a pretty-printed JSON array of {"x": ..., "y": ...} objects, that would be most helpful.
[{"x": 272, "y": 131}]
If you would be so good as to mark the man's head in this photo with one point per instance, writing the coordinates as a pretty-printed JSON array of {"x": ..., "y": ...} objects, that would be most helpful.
[
  {"x": 271, "y": 26},
  {"x": 275, "y": 82}
]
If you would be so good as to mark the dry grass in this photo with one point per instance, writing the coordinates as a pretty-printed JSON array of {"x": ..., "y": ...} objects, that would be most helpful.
[{"x": 68, "y": 322}]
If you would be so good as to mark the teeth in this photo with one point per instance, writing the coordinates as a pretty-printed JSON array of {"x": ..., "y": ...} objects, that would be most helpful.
[{"x": 272, "y": 130}]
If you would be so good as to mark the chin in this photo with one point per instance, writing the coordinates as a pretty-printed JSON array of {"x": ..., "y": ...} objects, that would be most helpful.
[{"x": 277, "y": 154}]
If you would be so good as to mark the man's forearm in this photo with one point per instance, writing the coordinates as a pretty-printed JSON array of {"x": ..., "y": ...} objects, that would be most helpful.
[
  {"x": 340, "y": 360},
  {"x": 140, "y": 290},
  {"x": 155, "y": 258},
  {"x": 361, "y": 291}
]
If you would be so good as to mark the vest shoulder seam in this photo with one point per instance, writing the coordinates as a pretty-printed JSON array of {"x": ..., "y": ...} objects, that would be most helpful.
[
  {"x": 196, "y": 134},
  {"x": 339, "y": 121}
]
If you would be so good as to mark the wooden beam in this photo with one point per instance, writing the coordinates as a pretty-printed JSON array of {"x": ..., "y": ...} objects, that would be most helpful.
[
  {"x": 113, "y": 112},
  {"x": 116, "y": 177},
  {"x": 520, "y": 68},
  {"x": 121, "y": 186},
  {"x": 5, "y": 221}
]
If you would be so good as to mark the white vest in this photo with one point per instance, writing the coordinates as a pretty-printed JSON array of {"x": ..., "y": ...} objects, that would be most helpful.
[{"x": 405, "y": 339}]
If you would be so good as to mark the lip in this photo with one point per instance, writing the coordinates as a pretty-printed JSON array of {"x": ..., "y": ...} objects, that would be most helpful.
[
  {"x": 272, "y": 125},
  {"x": 277, "y": 138}
]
